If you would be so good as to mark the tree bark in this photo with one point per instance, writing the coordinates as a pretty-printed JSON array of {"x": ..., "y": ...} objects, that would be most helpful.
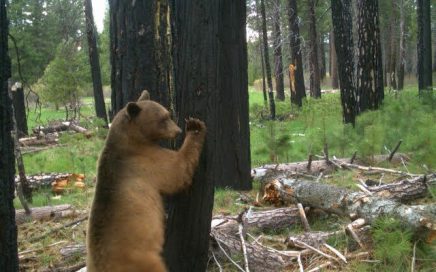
[
  {"x": 315, "y": 82},
  {"x": 18, "y": 102},
  {"x": 262, "y": 58},
  {"x": 322, "y": 62},
  {"x": 425, "y": 80},
  {"x": 94, "y": 61},
  {"x": 8, "y": 228},
  {"x": 196, "y": 58},
  {"x": 272, "y": 105},
  {"x": 233, "y": 148},
  {"x": 343, "y": 43},
  {"x": 370, "y": 87},
  {"x": 333, "y": 63},
  {"x": 299, "y": 90},
  {"x": 139, "y": 51},
  {"x": 278, "y": 59}
]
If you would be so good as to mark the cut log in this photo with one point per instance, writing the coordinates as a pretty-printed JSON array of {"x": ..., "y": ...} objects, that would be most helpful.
[
  {"x": 45, "y": 213},
  {"x": 54, "y": 127},
  {"x": 47, "y": 139},
  {"x": 319, "y": 165},
  {"x": 73, "y": 251},
  {"x": 262, "y": 220},
  {"x": 46, "y": 179},
  {"x": 346, "y": 202}
]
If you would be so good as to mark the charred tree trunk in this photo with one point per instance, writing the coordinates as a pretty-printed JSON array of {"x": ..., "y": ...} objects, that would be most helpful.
[
  {"x": 20, "y": 111},
  {"x": 315, "y": 83},
  {"x": 370, "y": 87},
  {"x": 343, "y": 41},
  {"x": 196, "y": 58},
  {"x": 8, "y": 228},
  {"x": 278, "y": 59},
  {"x": 139, "y": 51},
  {"x": 424, "y": 46},
  {"x": 333, "y": 63},
  {"x": 234, "y": 131},
  {"x": 298, "y": 90},
  {"x": 272, "y": 105},
  {"x": 402, "y": 56},
  {"x": 94, "y": 61}
]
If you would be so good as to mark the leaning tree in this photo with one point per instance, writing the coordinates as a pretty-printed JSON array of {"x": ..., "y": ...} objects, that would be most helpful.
[{"x": 8, "y": 228}]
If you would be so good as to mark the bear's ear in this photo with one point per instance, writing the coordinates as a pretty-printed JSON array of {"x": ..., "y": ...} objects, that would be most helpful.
[
  {"x": 145, "y": 95},
  {"x": 133, "y": 109}
]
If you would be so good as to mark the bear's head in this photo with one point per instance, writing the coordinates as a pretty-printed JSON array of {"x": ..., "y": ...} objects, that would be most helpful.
[{"x": 149, "y": 120}]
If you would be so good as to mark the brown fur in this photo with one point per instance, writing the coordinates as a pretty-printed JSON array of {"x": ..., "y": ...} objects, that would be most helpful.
[{"x": 126, "y": 225}]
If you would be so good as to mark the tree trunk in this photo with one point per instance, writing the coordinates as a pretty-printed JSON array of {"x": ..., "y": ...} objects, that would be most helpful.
[
  {"x": 315, "y": 83},
  {"x": 424, "y": 46},
  {"x": 262, "y": 58},
  {"x": 94, "y": 61},
  {"x": 233, "y": 148},
  {"x": 272, "y": 105},
  {"x": 370, "y": 90},
  {"x": 8, "y": 228},
  {"x": 298, "y": 90},
  {"x": 18, "y": 101},
  {"x": 333, "y": 63},
  {"x": 196, "y": 58},
  {"x": 402, "y": 56},
  {"x": 322, "y": 62},
  {"x": 343, "y": 42},
  {"x": 139, "y": 51},
  {"x": 392, "y": 76},
  {"x": 278, "y": 59}
]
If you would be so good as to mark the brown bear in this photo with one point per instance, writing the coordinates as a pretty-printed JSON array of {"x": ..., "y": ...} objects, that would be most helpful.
[{"x": 126, "y": 224}]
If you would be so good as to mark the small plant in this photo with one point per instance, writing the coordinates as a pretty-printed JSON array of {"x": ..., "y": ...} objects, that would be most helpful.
[{"x": 392, "y": 244}]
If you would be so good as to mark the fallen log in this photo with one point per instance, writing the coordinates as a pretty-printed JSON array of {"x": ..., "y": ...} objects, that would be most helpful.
[
  {"x": 51, "y": 128},
  {"x": 346, "y": 202},
  {"x": 72, "y": 251},
  {"x": 262, "y": 220},
  {"x": 318, "y": 166},
  {"x": 44, "y": 140},
  {"x": 45, "y": 213},
  {"x": 403, "y": 191},
  {"x": 46, "y": 179}
]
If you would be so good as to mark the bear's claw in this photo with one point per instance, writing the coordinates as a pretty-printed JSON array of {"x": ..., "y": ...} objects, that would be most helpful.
[{"x": 195, "y": 125}]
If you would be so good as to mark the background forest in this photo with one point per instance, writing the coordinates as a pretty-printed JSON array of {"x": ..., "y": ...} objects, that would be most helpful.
[{"x": 329, "y": 99}]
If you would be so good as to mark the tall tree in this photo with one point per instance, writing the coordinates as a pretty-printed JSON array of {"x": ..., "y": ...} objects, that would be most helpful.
[
  {"x": 343, "y": 38},
  {"x": 299, "y": 92},
  {"x": 424, "y": 46},
  {"x": 272, "y": 105},
  {"x": 94, "y": 60},
  {"x": 402, "y": 55},
  {"x": 315, "y": 81},
  {"x": 139, "y": 51},
  {"x": 8, "y": 228},
  {"x": 196, "y": 45},
  {"x": 333, "y": 62},
  {"x": 370, "y": 87},
  {"x": 234, "y": 132},
  {"x": 277, "y": 44},
  {"x": 322, "y": 61}
]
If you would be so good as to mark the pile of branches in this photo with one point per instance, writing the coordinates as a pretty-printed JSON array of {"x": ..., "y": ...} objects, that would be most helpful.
[{"x": 299, "y": 188}]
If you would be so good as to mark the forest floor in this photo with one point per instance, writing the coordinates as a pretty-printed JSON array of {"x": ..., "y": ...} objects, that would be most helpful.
[{"x": 56, "y": 244}]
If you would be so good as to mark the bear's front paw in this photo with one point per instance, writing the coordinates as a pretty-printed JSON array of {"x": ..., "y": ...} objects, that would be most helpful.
[{"x": 194, "y": 125}]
